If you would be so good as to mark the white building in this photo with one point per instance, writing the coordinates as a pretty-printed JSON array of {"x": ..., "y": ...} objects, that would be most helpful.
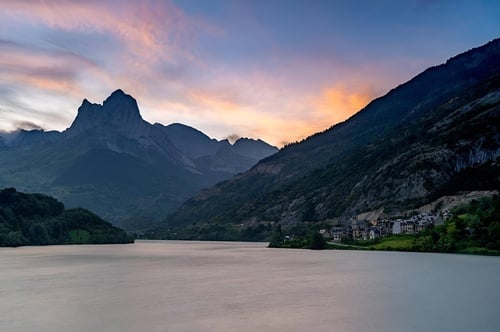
[{"x": 396, "y": 227}]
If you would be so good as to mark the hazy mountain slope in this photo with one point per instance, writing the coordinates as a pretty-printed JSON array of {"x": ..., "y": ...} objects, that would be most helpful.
[
  {"x": 192, "y": 142},
  {"x": 436, "y": 134},
  {"x": 113, "y": 162},
  {"x": 217, "y": 158}
]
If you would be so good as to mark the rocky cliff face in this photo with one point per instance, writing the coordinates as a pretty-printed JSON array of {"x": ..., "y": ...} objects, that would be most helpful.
[
  {"x": 437, "y": 134},
  {"x": 119, "y": 110}
]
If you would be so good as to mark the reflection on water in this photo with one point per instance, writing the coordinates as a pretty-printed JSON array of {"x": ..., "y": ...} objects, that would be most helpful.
[{"x": 214, "y": 286}]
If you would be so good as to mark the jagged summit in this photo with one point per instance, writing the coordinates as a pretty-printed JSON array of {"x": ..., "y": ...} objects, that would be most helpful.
[
  {"x": 118, "y": 92},
  {"x": 121, "y": 103},
  {"x": 119, "y": 109}
]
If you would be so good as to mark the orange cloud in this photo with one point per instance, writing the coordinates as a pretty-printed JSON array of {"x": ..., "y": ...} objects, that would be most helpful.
[
  {"x": 337, "y": 103},
  {"x": 263, "y": 106},
  {"x": 275, "y": 119},
  {"x": 214, "y": 102},
  {"x": 152, "y": 56},
  {"x": 304, "y": 116}
]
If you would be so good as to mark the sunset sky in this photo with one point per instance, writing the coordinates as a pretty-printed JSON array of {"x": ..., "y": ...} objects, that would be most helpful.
[{"x": 277, "y": 70}]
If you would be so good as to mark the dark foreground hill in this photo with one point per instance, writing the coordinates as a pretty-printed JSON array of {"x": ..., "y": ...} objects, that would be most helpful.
[
  {"x": 36, "y": 219},
  {"x": 125, "y": 169},
  {"x": 438, "y": 134}
]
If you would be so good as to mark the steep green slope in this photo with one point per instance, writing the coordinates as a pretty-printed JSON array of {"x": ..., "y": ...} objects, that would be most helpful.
[
  {"x": 36, "y": 219},
  {"x": 437, "y": 134}
]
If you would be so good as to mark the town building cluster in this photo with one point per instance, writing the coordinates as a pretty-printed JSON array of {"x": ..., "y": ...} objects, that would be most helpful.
[{"x": 355, "y": 229}]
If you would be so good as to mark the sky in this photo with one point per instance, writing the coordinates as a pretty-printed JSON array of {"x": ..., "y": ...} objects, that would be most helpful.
[{"x": 270, "y": 69}]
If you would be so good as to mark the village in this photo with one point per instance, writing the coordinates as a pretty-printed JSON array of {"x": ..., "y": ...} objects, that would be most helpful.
[{"x": 363, "y": 230}]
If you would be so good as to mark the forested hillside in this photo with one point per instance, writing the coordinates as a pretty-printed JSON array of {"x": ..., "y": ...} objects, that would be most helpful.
[{"x": 36, "y": 219}]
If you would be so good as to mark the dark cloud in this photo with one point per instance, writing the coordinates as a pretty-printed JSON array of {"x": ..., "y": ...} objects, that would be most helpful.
[{"x": 27, "y": 125}]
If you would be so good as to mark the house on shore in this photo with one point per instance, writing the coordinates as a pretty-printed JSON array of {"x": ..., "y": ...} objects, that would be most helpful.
[{"x": 336, "y": 234}]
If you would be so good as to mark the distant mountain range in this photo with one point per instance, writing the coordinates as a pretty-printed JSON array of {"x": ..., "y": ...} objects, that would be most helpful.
[
  {"x": 116, "y": 164},
  {"x": 438, "y": 134}
]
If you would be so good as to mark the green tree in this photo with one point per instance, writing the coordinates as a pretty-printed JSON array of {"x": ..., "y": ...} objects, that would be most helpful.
[
  {"x": 38, "y": 234},
  {"x": 316, "y": 241},
  {"x": 276, "y": 238},
  {"x": 15, "y": 239}
]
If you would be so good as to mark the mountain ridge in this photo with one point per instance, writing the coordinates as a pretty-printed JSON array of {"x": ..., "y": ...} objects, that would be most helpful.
[
  {"x": 400, "y": 151},
  {"x": 111, "y": 161}
]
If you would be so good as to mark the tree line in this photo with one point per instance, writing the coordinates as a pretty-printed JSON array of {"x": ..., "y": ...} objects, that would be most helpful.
[{"x": 37, "y": 219}]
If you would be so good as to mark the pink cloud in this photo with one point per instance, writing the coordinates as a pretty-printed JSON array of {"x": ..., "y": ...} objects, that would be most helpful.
[
  {"x": 153, "y": 54},
  {"x": 53, "y": 72},
  {"x": 150, "y": 30}
]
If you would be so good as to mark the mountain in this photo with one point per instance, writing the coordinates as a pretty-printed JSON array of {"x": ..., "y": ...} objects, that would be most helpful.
[
  {"x": 437, "y": 134},
  {"x": 212, "y": 156},
  {"x": 113, "y": 162}
]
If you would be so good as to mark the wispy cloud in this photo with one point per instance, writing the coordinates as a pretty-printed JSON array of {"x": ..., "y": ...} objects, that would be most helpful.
[
  {"x": 227, "y": 68},
  {"x": 149, "y": 29},
  {"x": 89, "y": 48},
  {"x": 135, "y": 36}
]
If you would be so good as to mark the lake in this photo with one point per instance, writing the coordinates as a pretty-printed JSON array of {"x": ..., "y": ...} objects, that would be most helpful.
[{"x": 223, "y": 286}]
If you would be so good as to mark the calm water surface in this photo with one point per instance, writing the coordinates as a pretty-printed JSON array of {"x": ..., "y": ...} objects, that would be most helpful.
[{"x": 210, "y": 286}]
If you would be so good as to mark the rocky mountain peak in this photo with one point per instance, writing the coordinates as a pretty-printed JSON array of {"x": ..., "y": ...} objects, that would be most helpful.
[
  {"x": 119, "y": 109},
  {"x": 121, "y": 105}
]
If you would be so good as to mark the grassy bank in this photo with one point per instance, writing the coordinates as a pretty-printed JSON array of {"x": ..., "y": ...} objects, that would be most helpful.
[{"x": 408, "y": 242}]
